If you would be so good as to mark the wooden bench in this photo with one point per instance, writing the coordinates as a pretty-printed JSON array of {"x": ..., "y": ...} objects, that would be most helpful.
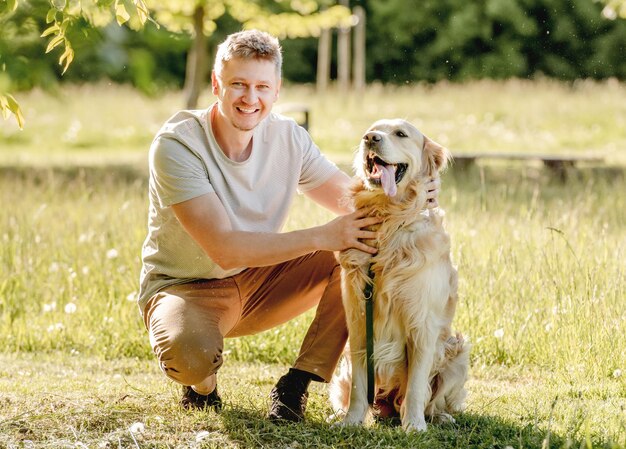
[
  {"x": 300, "y": 112},
  {"x": 558, "y": 163}
]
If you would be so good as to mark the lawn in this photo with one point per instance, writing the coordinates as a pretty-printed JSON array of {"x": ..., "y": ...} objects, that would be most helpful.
[{"x": 541, "y": 264}]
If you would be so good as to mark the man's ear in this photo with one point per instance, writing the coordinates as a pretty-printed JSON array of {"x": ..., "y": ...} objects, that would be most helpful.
[
  {"x": 215, "y": 87},
  {"x": 437, "y": 156}
]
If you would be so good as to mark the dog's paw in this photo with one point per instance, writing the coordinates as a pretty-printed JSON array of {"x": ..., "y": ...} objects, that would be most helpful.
[
  {"x": 417, "y": 425},
  {"x": 443, "y": 418}
]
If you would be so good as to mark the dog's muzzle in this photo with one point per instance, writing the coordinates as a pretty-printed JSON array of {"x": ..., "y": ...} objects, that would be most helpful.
[{"x": 383, "y": 173}]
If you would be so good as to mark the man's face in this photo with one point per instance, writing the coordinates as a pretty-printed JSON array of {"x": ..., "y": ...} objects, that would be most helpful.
[{"x": 246, "y": 89}]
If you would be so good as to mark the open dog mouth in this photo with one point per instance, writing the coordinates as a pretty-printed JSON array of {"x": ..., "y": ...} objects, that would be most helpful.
[{"x": 383, "y": 173}]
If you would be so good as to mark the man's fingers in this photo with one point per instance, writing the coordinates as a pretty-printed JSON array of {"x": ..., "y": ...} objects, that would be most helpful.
[{"x": 368, "y": 221}]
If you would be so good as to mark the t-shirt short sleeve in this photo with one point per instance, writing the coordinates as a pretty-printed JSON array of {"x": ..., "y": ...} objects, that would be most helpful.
[
  {"x": 178, "y": 174},
  {"x": 316, "y": 168}
]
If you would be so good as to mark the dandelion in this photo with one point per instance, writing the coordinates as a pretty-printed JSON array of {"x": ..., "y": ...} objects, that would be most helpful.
[
  {"x": 617, "y": 373},
  {"x": 49, "y": 307},
  {"x": 56, "y": 327},
  {"x": 137, "y": 427},
  {"x": 70, "y": 308},
  {"x": 499, "y": 333},
  {"x": 112, "y": 253}
]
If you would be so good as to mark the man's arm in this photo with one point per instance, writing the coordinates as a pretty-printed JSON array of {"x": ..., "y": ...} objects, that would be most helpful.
[
  {"x": 333, "y": 194},
  {"x": 205, "y": 219}
]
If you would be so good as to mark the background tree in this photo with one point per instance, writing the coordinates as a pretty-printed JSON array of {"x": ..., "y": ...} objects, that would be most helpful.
[{"x": 199, "y": 18}]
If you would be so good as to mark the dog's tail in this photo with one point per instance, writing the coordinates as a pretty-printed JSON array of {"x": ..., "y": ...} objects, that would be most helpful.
[{"x": 340, "y": 386}]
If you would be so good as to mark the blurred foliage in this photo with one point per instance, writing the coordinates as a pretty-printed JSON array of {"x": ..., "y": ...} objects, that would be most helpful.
[
  {"x": 445, "y": 39},
  {"x": 407, "y": 40}
]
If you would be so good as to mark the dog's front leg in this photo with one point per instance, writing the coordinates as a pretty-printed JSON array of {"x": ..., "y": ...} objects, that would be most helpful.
[
  {"x": 358, "y": 396},
  {"x": 420, "y": 357}
]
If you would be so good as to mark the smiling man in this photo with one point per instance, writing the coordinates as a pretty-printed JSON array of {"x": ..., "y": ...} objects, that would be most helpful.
[{"x": 215, "y": 262}]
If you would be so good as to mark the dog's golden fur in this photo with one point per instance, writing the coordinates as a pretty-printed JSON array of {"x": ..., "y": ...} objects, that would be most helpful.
[{"x": 421, "y": 365}]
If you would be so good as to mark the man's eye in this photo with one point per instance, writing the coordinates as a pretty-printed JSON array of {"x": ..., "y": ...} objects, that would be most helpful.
[
  {"x": 264, "y": 87},
  {"x": 401, "y": 133}
]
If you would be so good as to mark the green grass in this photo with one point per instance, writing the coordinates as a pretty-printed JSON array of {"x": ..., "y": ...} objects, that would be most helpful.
[{"x": 541, "y": 263}]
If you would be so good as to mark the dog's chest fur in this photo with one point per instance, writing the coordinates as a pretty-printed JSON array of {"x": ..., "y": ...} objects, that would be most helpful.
[{"x": 412, "y": 272}]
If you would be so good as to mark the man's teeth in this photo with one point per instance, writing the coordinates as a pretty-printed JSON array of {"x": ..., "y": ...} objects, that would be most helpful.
[{"x": 247, "y": 111}]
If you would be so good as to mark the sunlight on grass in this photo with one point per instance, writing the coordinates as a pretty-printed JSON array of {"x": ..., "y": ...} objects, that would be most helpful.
[{"x": 541, "y": 267}]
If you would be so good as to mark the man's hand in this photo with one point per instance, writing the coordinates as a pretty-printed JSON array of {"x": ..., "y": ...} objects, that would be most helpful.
[
  {"x": 432, "y": 192},
  {"x": 347, "y": 231}
]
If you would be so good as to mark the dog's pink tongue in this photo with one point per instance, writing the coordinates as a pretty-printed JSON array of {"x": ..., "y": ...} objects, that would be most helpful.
[{"x": 388, "y": 179}]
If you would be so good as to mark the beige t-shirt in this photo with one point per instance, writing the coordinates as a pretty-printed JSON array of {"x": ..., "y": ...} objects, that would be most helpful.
[{"x": 186, "y": 162}]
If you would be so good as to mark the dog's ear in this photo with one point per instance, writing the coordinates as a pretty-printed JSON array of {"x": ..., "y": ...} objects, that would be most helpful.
[{"x": 437, "y": 157}]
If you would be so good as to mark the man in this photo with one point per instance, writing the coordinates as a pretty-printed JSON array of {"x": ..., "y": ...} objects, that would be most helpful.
[{"x": 215, "y": 264}]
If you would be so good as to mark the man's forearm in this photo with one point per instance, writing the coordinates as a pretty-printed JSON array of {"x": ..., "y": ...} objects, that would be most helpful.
[{"x": 239, "y": 249}]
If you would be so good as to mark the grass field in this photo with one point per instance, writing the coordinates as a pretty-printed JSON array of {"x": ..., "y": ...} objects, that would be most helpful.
[{"x": 541, "y": 263}]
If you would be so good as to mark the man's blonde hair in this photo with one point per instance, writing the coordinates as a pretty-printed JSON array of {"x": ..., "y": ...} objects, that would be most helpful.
[{"x": 249, "y": 44}]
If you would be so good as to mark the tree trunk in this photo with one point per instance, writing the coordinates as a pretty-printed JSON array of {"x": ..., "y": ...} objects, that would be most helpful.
[
  {"x": 343, "y": 55},
  {"x": 358, "y": 67},
  {"x": 323, "y": 60},
  {"x": 196, "y": 69}
]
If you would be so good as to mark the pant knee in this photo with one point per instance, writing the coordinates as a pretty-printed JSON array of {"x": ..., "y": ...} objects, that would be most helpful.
[{"x": 190, "y": 360}]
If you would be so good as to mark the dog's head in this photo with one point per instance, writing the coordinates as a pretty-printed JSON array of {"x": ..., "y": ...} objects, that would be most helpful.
[{"x": 393, "y": 153}]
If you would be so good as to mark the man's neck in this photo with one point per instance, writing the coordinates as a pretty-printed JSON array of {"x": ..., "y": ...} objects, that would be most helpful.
[{"x": 235, "y": 143}]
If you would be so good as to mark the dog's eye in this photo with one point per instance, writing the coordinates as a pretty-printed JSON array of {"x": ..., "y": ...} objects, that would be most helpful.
[{"x": 401, "y": 133}]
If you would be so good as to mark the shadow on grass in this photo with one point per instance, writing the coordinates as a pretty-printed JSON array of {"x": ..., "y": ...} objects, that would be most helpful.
[{"x": 251, "y": 429}]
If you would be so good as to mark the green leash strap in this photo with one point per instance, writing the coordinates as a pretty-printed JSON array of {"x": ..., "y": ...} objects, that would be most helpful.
[{"x": 368, "y": 293}]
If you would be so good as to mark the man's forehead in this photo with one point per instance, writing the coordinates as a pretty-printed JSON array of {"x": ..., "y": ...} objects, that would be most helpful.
[{"x": 254, "y": 68}]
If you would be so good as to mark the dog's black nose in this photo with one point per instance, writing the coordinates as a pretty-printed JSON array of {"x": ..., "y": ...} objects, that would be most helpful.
[{"x": 372, "y": 137}]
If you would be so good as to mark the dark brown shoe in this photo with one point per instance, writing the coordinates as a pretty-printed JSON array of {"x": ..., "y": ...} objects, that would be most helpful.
[
  {"x": 196, "y": 401},
  {"x": 289, "y": 398}
]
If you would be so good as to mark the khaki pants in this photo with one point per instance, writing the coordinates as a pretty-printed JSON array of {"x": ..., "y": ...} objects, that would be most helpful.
[{"x": 187, "y": 323}]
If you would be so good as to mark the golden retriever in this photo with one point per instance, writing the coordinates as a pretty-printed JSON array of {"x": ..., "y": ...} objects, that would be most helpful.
[{"x": 420, "y": 365}]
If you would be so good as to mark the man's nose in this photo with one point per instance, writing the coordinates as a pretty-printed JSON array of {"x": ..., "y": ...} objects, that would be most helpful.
[{"x": 250, "y": 95}]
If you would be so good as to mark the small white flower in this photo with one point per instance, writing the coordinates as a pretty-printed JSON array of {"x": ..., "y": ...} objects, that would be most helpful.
[
  {"x": 56, "y": 327},
  {"x": 70, "y": 307},
  {"x": 107, "y": 320},
  {"x": 112, "y": 253},
  {"x": 202, "y": 435},
  {"x": 548, "y": 327},
  {"x": 617, "y": 373},
  {"x": 49, "y": 307},
  {"x": 85, "y": 270},
  {"x": 499, "y": 333},
  {"x": 54, "y": 267},
  {"x": 137, "y": 427},
  {"x": 132, "y": 296}
]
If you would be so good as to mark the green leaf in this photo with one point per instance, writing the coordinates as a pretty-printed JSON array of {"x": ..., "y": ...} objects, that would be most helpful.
[
  {"x": 8, "y": 104},
  {"x": 11, "y": 5},
  {"x": 68, "y": 56},
  {"x": 54, "y": 42},
  {"x": 51, "y": 16},
  {"x": 53, "y": 29},
  {"x": 121, "y": 15}
]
